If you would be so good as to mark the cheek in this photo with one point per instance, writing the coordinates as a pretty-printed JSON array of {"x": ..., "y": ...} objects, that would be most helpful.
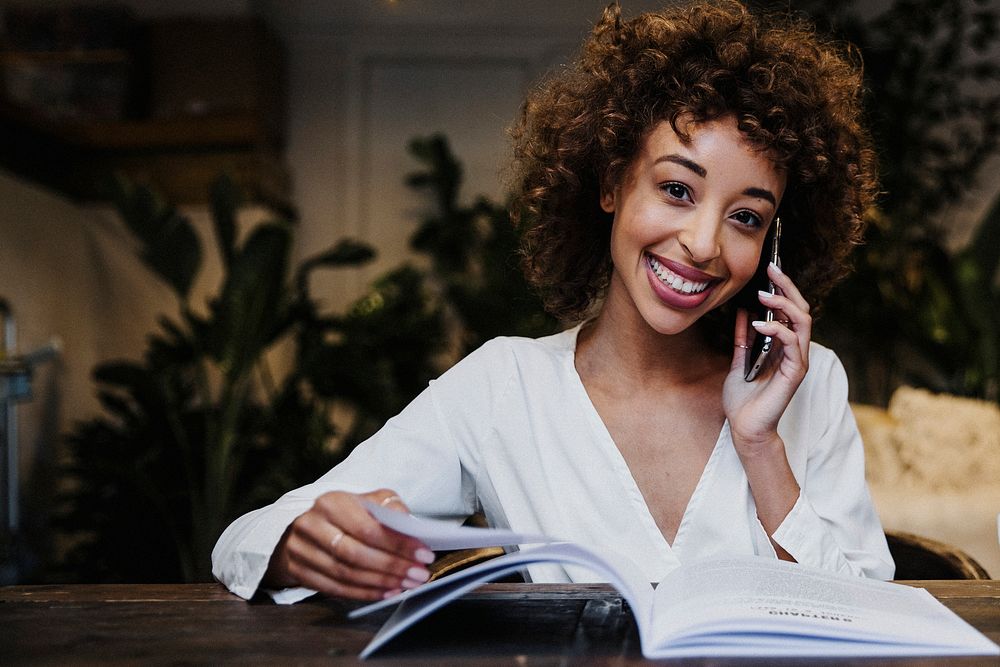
[
  {"x": 744, "y": 263},
  {"x": 638, "y": 225},
  {"x": 629, "y": 233},
  {"x": 616, "y": 240}
]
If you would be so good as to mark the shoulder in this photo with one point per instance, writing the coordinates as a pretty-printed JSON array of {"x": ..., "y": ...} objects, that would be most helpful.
[
  {"x": 501, "y": 361},
  {"x": 823, "y": 392},
  {"x": 826, "y": 373},
  {"x": 546, "y": 347},
  {"x": 513, "y": 351}
]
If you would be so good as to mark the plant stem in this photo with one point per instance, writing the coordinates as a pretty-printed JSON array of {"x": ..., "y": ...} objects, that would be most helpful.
[{"x": 222, "y": 466}]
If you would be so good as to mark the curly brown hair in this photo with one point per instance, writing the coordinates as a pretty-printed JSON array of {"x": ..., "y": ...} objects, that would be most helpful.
[{"x": 794, "y": 96}]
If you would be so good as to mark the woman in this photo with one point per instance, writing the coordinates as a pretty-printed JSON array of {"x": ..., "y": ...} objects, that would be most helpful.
[{"x": 648, "y": 176}]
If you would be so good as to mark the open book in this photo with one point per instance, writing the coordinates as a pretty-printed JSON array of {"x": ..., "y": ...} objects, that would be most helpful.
[{"x": 745, "y": 606}]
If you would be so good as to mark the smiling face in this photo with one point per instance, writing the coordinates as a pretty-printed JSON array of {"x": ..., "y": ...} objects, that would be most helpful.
[{"x": 690, "y": 220}]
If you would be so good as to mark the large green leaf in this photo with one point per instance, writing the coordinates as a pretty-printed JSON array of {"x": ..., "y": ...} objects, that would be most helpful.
[
  {"x": 984, "y": 248},
  {"x": 444, "y": 173},
  {"x": 130, "y": 377},
  {"x": 170, "y": 246},
  {"x": 175, "y": 253},
  {"x": 170, "y": 348},
  {"x": 249, "y": 307},
  {"x": 226, "y": 199},
  {"x": 347, "y": 252},
  {"x": 139, "y": 207}
]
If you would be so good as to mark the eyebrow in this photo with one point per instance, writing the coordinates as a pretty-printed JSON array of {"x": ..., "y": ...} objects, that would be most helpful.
[
  {"x": 684, "y": 162},
  {"x": 760, "y": 193}
]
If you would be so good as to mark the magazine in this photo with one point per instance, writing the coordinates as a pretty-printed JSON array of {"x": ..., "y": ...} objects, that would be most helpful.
[{"x": 742, "y": 606}]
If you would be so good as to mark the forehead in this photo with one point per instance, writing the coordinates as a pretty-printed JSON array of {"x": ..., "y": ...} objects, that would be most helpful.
[
  {"x": 716, "y": 144},
  {"x": 720, "y": 133}
]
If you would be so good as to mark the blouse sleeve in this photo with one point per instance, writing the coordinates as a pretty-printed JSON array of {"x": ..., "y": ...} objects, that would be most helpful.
[
  {"x": 833, "y": 524},
  {"x": 425, "y": 454}
]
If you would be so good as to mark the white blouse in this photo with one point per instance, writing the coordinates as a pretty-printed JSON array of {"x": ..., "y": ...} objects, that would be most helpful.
[{"x": 511, "y": 431}]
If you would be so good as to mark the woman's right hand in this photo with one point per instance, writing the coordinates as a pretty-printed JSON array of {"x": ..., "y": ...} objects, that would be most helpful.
[{"x": 338, "y": 548}]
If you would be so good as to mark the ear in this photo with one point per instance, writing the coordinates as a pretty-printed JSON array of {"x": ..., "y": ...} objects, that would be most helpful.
[{"x": 609, "y": 199}]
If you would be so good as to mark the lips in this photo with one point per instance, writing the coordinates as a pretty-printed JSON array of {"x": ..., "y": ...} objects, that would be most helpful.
[
  {"x": 679, "y": 278},
  {"x": 677, "y": 285}
]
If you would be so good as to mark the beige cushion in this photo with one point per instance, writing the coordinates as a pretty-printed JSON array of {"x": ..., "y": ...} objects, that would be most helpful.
[{"x": 933, "y": 464}]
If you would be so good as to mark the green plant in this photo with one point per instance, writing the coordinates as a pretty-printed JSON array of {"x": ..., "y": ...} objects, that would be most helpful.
[
  {"x": 474, "y": 254},
  {"x": 915, "y": 312},
  {"x": 202, "y": 429}
]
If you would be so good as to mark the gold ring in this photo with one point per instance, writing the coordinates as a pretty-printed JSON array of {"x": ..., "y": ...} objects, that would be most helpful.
[
  {"x": 390, "y": 499},
  {"x": 745, "y": 347}
]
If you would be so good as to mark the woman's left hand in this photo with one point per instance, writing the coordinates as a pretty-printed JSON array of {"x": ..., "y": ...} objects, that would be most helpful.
[{"x": 754, "y": 408}]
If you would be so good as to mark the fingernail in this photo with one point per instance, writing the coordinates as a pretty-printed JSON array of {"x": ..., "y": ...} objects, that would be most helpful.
[
  {"x": 775, "y": 267},
  {"x": 756, "y": 324},
  {"x": 418, "y": 574},
  {"x": 409, "y": 583},
  {"x": 424, "y": 556},
  {"x": 391, "y": 594},
  {"x": 764, "y": 294}
]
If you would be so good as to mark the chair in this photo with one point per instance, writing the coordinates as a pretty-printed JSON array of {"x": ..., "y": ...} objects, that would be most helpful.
[{"x": 923, "y": 558}]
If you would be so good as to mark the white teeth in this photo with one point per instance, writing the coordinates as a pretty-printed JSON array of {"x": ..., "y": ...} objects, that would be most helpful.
[{"x": 673, "y": 280}]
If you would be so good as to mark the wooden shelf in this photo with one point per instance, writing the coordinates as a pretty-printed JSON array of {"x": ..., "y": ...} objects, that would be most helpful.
[
  {"x": 74, "y": 56},
  {"x": 60, "y": 110},
  {"x": 179, "y": 157},
  {"x": 230, "y": 130}
]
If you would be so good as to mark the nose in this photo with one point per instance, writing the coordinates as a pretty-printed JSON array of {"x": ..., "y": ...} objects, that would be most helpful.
[{"x": 700, "y": 237}]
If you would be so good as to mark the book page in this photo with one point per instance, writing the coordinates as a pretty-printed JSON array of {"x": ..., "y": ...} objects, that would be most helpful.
[
  {"x": 442, "y": 535},
  {"x": 755, "y": 604}
]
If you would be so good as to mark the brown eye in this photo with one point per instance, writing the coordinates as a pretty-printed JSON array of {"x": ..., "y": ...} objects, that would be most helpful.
[
  {"x": 676, "y": 190},
  {"x": 748, "y": 218}
]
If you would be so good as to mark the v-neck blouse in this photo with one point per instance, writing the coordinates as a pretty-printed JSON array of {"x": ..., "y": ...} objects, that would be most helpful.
[
  {"x": 511, "y": 431},
  {"x": 629, "y": 487}
]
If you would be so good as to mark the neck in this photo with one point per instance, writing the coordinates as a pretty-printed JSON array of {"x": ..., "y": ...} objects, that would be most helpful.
[{"x": 619, "y": 345}]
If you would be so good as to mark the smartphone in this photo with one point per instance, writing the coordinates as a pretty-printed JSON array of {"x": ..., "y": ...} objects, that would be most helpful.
[{"x": 761, "y": 345}]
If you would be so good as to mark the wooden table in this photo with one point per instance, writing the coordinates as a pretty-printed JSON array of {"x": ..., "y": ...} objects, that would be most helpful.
[{"x": 500, "y": 624}]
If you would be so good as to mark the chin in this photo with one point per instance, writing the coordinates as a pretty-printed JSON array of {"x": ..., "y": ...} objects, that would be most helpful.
[
  {"x": 668, "y": 321},
  {"x": 672, "y": 324}
]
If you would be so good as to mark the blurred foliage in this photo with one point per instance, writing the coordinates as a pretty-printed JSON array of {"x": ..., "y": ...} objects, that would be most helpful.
[
  {"x": 474, "y": 254},
  {"x": 915, "y": 312},
  {"x": 201, "y": 430}
]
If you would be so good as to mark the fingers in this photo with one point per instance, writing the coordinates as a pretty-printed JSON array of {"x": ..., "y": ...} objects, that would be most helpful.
[
  {"x": 787, "y": 287},
  {"x": 346, "y": 512},
  {"x": 789, "y": 340},
  {"x": 792, "y": 326},
  {"x": 789, "y": 317},
  {"x": 386, "y": 498},
  {"x": 348, "y": 560},
  {"x": 338, "y": 548},
  {"x": 791, "y": 310}
]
